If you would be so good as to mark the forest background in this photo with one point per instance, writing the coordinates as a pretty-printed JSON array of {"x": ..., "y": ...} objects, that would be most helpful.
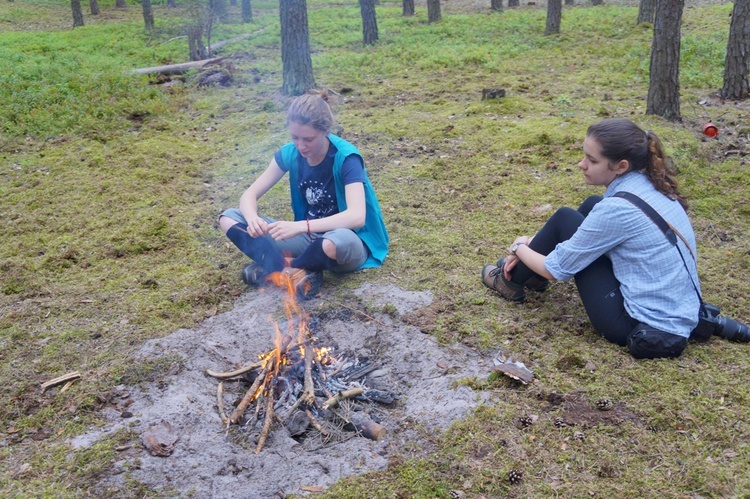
[{"x": 110, "y": 186}]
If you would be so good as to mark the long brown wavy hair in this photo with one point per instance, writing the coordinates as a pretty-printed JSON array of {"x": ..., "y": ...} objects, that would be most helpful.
[{"x": 621, "y": 139}]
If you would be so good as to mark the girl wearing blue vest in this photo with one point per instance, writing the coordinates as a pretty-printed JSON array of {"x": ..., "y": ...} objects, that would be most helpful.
[{"x": 337, "y": 226}]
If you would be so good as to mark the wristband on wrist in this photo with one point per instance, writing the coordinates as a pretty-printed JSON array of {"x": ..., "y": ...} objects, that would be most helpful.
[{"x": 308, "y": 227}]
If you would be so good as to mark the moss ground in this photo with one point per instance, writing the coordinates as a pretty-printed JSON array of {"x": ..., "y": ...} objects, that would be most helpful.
[{"x": 109, "y": 190}]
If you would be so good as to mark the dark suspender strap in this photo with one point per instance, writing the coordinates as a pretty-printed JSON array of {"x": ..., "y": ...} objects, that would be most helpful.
[
  {"x": 665, "y": 228},
  {"x": 652, "y": 214}
]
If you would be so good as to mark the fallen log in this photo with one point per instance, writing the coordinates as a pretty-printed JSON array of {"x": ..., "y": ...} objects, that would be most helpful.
[
  {"x": 175, "y": 69},
  {"x": 365, "y": 426}
]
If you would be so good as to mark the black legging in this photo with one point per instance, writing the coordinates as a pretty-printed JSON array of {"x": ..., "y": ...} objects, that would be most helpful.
[{"x": 597, "y": 285}]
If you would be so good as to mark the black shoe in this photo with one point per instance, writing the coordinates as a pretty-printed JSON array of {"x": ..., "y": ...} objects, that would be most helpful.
[{"x": 253, "y": 274}]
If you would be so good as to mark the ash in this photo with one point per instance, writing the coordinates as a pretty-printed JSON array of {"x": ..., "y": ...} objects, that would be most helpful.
[{"x": 210, "y": 460}]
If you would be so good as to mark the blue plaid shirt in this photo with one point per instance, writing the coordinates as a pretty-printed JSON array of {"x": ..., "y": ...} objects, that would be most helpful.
[{"x": 654, "y": 283}]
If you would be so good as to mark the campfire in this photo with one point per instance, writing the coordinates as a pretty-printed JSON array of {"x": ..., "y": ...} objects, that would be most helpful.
[{"x": 302, "y": 386}]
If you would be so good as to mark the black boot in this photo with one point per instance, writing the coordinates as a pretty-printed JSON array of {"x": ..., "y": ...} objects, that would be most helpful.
[{"x": 260, "y": 249}]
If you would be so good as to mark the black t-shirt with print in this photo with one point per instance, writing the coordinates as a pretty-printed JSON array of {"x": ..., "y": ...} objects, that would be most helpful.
[{"x": 316, "y": 183}]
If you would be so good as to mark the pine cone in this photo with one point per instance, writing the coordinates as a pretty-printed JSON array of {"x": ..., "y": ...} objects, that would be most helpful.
[
  {"x": 525, "y": 421},
  {"x": 604, "y": 404},
  {"x": 515, "y": 476}
]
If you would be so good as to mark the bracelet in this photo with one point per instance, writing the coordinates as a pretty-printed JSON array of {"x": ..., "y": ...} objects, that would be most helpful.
[{"x": 308, "y": 227}]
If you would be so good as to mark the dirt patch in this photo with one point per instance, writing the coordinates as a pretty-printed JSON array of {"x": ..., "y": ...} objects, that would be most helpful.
[{"x": 207, "y": 460}]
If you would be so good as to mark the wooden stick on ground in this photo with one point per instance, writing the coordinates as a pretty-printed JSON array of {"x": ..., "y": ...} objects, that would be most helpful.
[
  {"x": 336, "y": 399},
  {"x": 233, "y": 374},
  {"x": 315, "y": 423},
  {"x": 267, "y": 422},
  {"x": 220, "y": 403},
  {"x": 62, "y": 379}
]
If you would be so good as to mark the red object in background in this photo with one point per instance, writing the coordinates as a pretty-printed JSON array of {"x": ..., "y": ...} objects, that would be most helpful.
[{"x": 710, "y": 130}]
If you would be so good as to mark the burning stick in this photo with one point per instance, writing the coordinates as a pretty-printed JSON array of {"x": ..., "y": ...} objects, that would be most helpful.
[
  {"x": 308, "y": 394},
  {"x": 335, "y": 400},
  {"x": 249, "y": 396},
  {"x": 267, "y": 422}
]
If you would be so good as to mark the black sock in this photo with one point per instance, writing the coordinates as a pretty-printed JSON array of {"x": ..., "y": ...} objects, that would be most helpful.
[
  {"x": 314, "y": 258},
  {"x": 260, "y": 249}
]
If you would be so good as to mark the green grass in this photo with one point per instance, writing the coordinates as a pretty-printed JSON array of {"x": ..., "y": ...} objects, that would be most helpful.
[{"x": 109, "y": 190}]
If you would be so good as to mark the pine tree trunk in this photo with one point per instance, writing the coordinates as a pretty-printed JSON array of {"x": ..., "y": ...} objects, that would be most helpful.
[
  {"x": 554, "y": 17},
  {"x": 433, "y": 11},
  {"x": 77, "y": 13},
  {"x": 148, "y": 14},
  {"x": 195, "y": 44},
  {"x": 496, "y": 5},
  {"x": 569, "y": 2},
  {"x": 369, "y": 21},
  {"x": 408, "y": 7},
  {"x": 94, "y": 6},
  {"x": 218, "y": 10},
  {"x": 646, "y": 11},
  {"x": 295, "y": 48},
  {"x": 120, "y": 4},
  {"x": 513, "y": 3},
  {"x": 596, "y": 2},
  {"x": 664, "y": 87},
  {"x": 171, "y": 3},
  {"x": 736, "y": 85},
  {"x": 247, "y": 12}
]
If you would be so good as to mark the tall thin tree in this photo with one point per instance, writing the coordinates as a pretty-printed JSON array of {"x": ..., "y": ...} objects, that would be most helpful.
[
  {"x": 369, "y": 21},
  {"x": 496, "y": 5},
  {"x": 664, "y": 85},
  {"x": 433, "y": 11},
  {"x": 94, "y": 6},
  {"x": 408, "y": 8},
  {"x": 77, "y": 13},
  {"x": 295, "y": 48},
  {"x": 737, "y": 60},
  {"x": 148, "y": 14},
  {"x": 554, "y": 17},
  {"x": 247, "y": 11},
  {"x": 646, "y": 11},
  {"x": 120, "y": 4},
  {"x": 513, "y": 3}
]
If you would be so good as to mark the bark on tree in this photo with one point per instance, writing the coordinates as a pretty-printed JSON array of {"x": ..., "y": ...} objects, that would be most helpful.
[
  {"x": 496, "y": 5},
  {"x": 569, "y": 2},
  {"x": 433, "y": 11},
  {"x": 218, "y": 9},
  {"x": 646, "y": 11},
  {"x": 408, "y": 8},
  {"x": 94, "y": 6},
  {"x": 247, "y": 12},
  {"x": 554, "y": 17},
  {"x": 513, "y": 3},
  {"x": 596, "y": 2},
  {"x": 369, "y": 21},
  {"x": 171, "y": 3},
  {"x": 736, "y": 85},
  {"x": 120, "y": 4},
  {"x": 198, "y": 51},
  {"x": 148, "y": 14},
  {"x": 77, "y": 13},
  {"x": 295, "y": 48},
  {"x": 664, "y": 85}
]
